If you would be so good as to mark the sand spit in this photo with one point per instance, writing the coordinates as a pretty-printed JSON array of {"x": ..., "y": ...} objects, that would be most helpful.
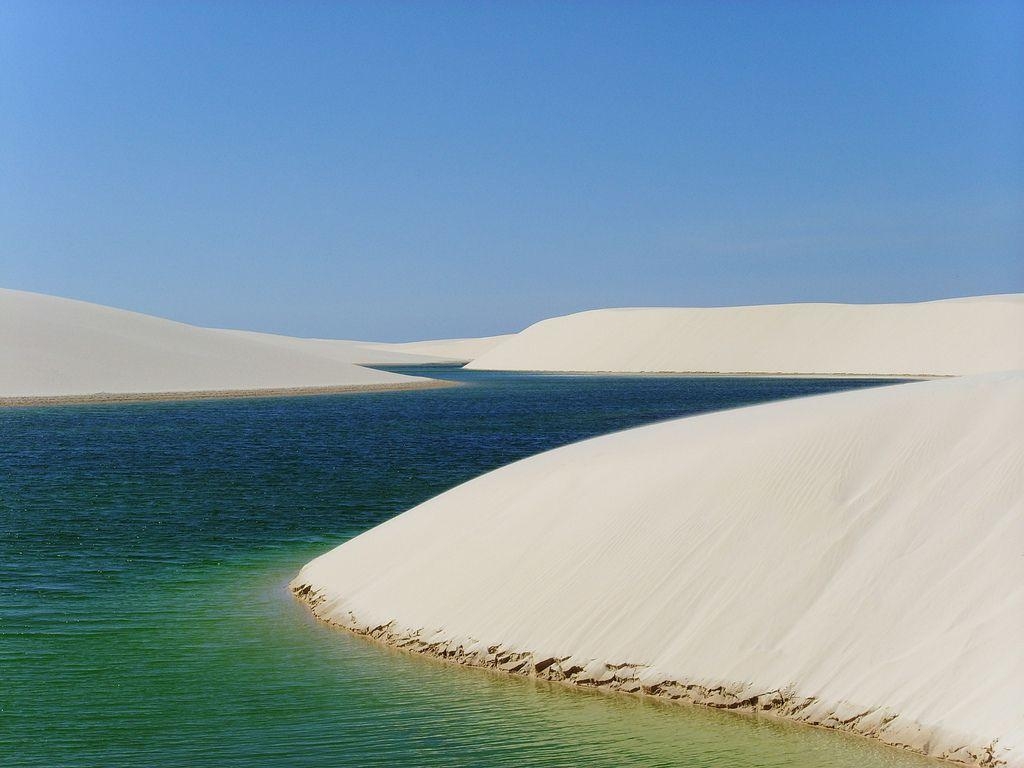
[
  {"x": 222, "y": 394},
  {"x": 850, "y": 560},
  {"x": 936, "y": 338}
]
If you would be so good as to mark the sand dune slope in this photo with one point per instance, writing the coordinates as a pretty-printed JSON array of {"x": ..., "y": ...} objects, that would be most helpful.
[
  {"x": 450, "y": 350},
  {"x": 377, "y": 353},
  {"x": 952, "y": 337},
  {"x": 852, "y": 560},
  {"x": 53, "y": 347}
]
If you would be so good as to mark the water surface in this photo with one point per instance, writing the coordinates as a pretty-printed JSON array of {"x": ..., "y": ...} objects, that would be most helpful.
[{"x": 144, "y": 550}]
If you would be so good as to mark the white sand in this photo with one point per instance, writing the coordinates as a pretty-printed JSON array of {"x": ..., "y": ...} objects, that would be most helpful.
[
  {"x": 54, "y": 347},
  {"x": 444, "y": 350},
  {"x": 952, "y": 337},
  {"x": 841, "y": 559},
  {"x": 382, "y": 353}
]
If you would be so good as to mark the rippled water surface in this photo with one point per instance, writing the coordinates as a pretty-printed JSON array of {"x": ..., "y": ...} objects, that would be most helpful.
[{"x": 144, "y": 551}]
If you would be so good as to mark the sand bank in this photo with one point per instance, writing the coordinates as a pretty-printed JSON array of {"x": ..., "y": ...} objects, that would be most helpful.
[
  {"x": 851, "y": 560},
  {"x": 222, "y": 394},
  {"x": 937, "y": 338},
  {"x": 60, "y": 350}
]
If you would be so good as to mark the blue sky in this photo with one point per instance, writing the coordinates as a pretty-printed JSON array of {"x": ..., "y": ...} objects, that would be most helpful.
[{"x": 414, "y": 170}]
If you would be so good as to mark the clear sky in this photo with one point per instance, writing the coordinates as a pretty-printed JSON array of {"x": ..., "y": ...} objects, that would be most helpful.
[{"x": 414, "y": 170}]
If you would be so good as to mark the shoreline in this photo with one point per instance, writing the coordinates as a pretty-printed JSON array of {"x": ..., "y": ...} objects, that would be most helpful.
[
  {"x": 22, "y": 401},
  {"x": 98, "y": 398},
  {"x": 626, "y": 678},
  {"x": 724, "y": 374}
]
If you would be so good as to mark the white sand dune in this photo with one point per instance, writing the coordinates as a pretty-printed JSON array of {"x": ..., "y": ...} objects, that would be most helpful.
[
  {"x": 378, "y": 353},
  {"x": 54, "y": 347},
  {"x": 853, "y": 560},
  {"x": 444, "y": 350},
  {"x": 951, "y": 337}
]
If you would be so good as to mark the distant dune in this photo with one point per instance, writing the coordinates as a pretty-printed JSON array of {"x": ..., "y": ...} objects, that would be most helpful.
[
  {"x": 52, "y": 348},
  {"x": 382, "y": 353},
  {"x": 60, "y": 348},
  {"x": 937, "y": 338},
  {"x": 851, "y": 560},
  {"x": 449, "y": 350}
]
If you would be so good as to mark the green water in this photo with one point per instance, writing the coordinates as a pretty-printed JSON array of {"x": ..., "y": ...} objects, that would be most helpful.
[{"x": 144, "y": 551}]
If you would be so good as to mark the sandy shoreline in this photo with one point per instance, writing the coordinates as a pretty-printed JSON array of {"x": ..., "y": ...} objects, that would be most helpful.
[
  {"x": 219, "y": 394},
  {"x": 726, "y": 374},
  {"x": 623, "y": 678}
]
